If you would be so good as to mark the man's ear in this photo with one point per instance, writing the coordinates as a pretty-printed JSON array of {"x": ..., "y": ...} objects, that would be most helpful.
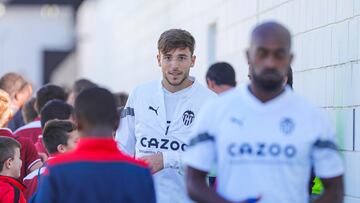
[
  {"x": 61, "y": 148},
  {"x": 193, "y": 59},
  {"x": 158, "y": 59},
  {"x": 17, "y": 99},
  {"x": 248, "y": 56},
  {"x": 36, "y": 107},
  {"x": 208, "y": 82},
  {"x": 8, "y": 163}
]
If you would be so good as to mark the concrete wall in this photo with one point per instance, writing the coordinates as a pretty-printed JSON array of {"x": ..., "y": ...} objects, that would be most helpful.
[
  {"x": 26, "y": 31},
  {"x": 118, "y": 49}
]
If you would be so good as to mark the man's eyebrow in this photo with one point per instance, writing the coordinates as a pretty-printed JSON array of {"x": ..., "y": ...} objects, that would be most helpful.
[{"x": 275, "y": 50}]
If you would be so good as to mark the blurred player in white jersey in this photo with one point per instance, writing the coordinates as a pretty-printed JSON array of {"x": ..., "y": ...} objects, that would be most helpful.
[{"x": 264, "y": 138}]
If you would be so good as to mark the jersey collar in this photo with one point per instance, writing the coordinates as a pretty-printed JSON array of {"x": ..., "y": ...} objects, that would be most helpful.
[
  {"x": 13, "y": 182},
  {"x": 278, "y": 102}
]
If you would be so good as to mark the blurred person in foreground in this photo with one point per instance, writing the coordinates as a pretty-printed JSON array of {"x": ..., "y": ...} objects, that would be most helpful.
[
  {"x": 96, "y": 171},
  {"x": 262, "y": 137}
]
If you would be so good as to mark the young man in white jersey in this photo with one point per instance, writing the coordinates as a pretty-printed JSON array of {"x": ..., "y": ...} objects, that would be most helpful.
[
  {"x": 262, "y": 137},
  {"x": 159, "y": 116}
]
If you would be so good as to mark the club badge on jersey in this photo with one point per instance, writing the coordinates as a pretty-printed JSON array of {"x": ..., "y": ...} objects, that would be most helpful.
[
  {"x": 287, "y": 126},
  {"x": 188, "y": 117}
]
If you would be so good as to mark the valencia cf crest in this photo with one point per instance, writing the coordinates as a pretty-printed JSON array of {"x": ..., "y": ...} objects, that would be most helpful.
[
  {"x": 188, "y": 117},
  {"x": 287, "y": 126}
]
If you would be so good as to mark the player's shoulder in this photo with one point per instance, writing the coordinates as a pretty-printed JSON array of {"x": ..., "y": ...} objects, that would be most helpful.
[
  {"x": 220, "y": 104},
  {"x": 202, "y": 91},
  {"x": 227, "y": 97},
  {"x": 302, "y": 104},
  {"x": 75, "y": 157},
  {"x": 32, "y": 126},
  {"x": 147, "y": 86}
]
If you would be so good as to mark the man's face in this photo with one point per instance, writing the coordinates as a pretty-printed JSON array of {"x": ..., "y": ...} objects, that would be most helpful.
[
  {"x": 176, "y": 65},
  {"x": 72, "y": 141},
  {"x": 16, "y": 164},
  {"x": 269, "y": 60}
]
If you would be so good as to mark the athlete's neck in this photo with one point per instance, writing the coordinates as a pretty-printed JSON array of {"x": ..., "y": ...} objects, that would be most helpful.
[
  {"x": 171, "y": 88},
  {"x": 263, "y": 95},
  {"x": 98, "y": 132}
]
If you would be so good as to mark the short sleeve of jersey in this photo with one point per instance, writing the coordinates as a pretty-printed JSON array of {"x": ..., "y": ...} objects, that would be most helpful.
[
  {"x": 125, "y": 134},
  {"x": 201, "y": 152},
  {"x": 326, "y": 158}
]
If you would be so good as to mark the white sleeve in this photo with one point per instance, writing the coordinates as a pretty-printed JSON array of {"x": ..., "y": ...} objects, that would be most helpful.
[
  {"x": 201, "y": 152},
  {"x": 326, "y": 158},
  {"x": 125, "y": 134}
]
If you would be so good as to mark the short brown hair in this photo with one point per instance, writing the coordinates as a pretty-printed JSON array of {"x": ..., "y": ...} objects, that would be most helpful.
[
  {"x": 176, "y": 38},
  {"x": 12, "y": 83},
  {"x": 7, "y": 149},
  {"x": 55, "y": 133}
]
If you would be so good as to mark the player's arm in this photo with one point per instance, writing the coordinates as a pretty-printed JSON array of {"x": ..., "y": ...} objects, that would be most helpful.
[
  {"x": 333, "y": 190},
  {"x": 199, "y": 191},
  {"x": 125, "y": 134},
  {"x": 328, "y": 164}
]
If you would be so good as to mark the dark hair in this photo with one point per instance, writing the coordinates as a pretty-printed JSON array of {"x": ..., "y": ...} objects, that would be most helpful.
[
  {"x": 7, "y": 149},
  {"x": 96, "y": 106},
  {"x": 121, "y": 99},
  {"x": 56, "y": 133},
  {"x": 290, "y": 77},
  {"x": 48, "y": 92},
  {"x": 222, "y": 73},
  {"x": 28, "y": 111},
  {"x": 176, "y": 38},
  {"x": 12, "y": 83},
  {"x": 55, "y": 109},
  {"x": 81, "y": 85}
]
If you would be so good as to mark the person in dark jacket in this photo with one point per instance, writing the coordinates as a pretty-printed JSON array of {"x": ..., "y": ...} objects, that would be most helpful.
[{"x": 96, "y": 171}]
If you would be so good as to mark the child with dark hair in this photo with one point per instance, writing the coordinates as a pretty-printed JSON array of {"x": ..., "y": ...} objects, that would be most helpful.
[
  {"x": 59, "y": 136},
  {"x": 99, "y": 167},
  {"x": 11, "y": 189}
]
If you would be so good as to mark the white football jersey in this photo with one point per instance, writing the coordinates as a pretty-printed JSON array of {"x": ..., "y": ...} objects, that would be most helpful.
[
  {"x": 145, "y": 130},
  {"x": 263, "y": 149}
]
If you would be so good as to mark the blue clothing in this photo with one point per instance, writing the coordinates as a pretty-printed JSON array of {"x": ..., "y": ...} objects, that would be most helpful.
[
  {"x": 96, "y": 172},
  {"x": 17, "y": 121}
]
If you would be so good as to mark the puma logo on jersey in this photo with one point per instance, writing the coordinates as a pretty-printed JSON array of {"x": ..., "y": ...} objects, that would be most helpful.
[{"x": 153, "y": 109}]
